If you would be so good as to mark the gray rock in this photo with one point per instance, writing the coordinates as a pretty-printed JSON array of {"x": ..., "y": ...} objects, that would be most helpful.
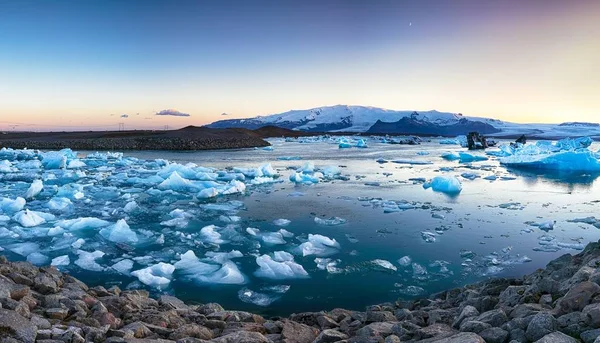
[
  {"x": 379, "y": 329},
  {"x": 172, "y": 302},
  {"x": 578, "y": 297},
  {"x": 403, "y": 314},
  {"x": 463, "y": 337},
  {"x": 590, "y": 335},
  {"x": 494, "y": 335},
  {"x": 435, "y": 331},
  {"x": 474, "y": 326},
  {"x": 293, "y": 332},
  {"x": 329, "y": 336},
  {"x": 541, "y": 325},
  {"x": 380, "y": 316},
  {"x": 13, "y": 324},
  {"x": 327, "y": 323},
  {"x": 517, "y": 335},
  {"x": 512, "y": 295},
  {"x": 556, "y": 337},
  {"x": 526, "y": 310},
  {"x": 392, "y": 339},
  {"x": 191, "y": 330},
  {"x": 592, "y": 313},
  {"x": 494, "y": 317},
  {"x": 241, "y": 337},
  {"x": 467, "y": 312},
  {"x": 440, "y": 316},
  {"x": 210, "y": 308}
]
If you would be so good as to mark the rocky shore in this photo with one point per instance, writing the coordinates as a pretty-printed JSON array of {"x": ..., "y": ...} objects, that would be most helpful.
[
  {"x": 558, "y": 304},
  {"x": 189, "y": 138}
]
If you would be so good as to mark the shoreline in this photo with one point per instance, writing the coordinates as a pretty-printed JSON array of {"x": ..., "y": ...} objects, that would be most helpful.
[{"x": 560, "y": 304}]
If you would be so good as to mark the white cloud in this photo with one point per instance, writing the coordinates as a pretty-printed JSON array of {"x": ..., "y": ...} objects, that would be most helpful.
[{"x": 172, "y": 112}]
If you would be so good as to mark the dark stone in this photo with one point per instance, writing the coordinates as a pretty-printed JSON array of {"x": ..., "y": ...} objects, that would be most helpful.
[
  {"x": 13, "y": 324},
  {"x": 578, "y": 297},
  {"x": 293, "y": 332},
  {"x": 494, "y": 335},
  {"x": 541, "y": 325},
  {"x": 556, "y": 337},
  {"x": 330, "y": 336}
]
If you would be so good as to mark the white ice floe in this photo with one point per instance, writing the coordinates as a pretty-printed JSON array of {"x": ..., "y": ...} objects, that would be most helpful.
[
  {"x": 61, "y": 261},
  {"x": 87, "y": 260},
  {"x": 318, "y": 245},
  {"x": 333, "y": 221},
  {"x": 36, "y": 188},
  {"x": 280, "y": 266},
  {"x": 158, "y": 275},
  {"x": 29, "y": 218},
  {"x": 119, "y": 233},
  {"x": 281, "y": 222},
  {"x": 12, "y": 205},
  {"x": 83, "y": 223},
  {"x": 265, "y": 297},
  {"x": 385, "y": 265},
  {"x": 124, "y": 266}
]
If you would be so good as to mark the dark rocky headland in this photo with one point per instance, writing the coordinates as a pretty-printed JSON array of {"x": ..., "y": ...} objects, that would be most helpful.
[
  {"x": 188, "y": 138},
  {"x": 558, "y": 304}
]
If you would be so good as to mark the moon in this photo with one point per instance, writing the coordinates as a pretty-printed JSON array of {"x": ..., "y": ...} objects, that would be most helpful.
[{"x": 410, "y": 24}]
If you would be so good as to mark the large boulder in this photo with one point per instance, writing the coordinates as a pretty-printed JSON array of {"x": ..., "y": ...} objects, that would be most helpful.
[
  {"x": 14, "y": 325},
  {"x": 293, "y": 332},
  {"x": 463, "y": 337},
  {"x": 577, "y": 297},
  {"x": 557, "y": 337},
  {"x": 542, "y": 324}
]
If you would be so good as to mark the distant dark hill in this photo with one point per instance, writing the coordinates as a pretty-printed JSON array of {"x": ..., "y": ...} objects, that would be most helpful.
[
  {"x": 275, "y": 131},
  {"x": 410, "y": 126},
  {"x": 188, "y": 138}
]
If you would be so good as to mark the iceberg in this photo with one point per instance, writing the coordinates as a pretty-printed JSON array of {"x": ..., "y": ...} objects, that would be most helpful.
[
  {"x": 280, "y": 266},
  {"x": 87, "y": 260},
  {"x": 333, "y": 221},
  {"x": 61, "y": 261},
  {"x": 566, "y": 155},
  {"x": 12, "y": 206},
  {"x": 158, "y": 275},
  {"x": 444, "y": 184},
  {"x": 119, "y": 233},
  {"x": 82, "y": 223},
  {"x": 318, "y": 245},
  {"x": 226, "y": 272},
  {"x": 265, "y": 297},
  {"x": 385, "y": 265},
  {"x": 35, "y": 189},
  {"x": 29, "y": 218},
  {"x": 466, "y": 157},
  {"x": 281, "y": 222},
  {"x": 449, "y": 141},
  {"x": 59, "y": 204},
  {"x": 37, "y": 259}
]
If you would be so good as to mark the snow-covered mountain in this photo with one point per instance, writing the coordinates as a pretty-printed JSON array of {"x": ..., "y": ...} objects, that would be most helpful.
[{"x": 345, "y": 118}]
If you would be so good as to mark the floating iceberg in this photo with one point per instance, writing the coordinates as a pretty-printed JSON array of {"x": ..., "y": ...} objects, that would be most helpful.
[
  {"x": 333, "y": 221},
  {"x": 265, "y": 297},
  {"x": 280, "y": 266},
  {"x": 445, "y": 184},
  {"x": 567, "y": 155},
  {"x": 281, "y": 222},
  {"x": 29, "y": 218},
  {"x": 87, "y": 260},
  {"x": 119, "y": 233},
  {"x": 82, "y": 223},
  {"x": 466, "y": 157},
  {"x": 35, "y": 189},
  {"x": 12, "y": 206},
  {"x": 158, "y": 275},
  {"x": 318, "y": 245}
]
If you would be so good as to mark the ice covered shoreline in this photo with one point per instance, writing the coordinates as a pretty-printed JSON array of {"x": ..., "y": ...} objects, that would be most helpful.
[{"x": 557, "y": 304}]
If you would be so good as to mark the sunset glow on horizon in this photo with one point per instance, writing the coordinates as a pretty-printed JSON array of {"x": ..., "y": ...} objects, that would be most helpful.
[{"x": 68, "y": 65}]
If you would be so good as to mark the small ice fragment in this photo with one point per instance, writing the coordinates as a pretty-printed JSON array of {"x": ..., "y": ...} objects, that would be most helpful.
[
  {"x": 124, "y": 266},
  {"x": 405, "y": 261},
  {"x": 282, "y": 222},
  {"x": 333, "y": 221},
  {"x": 280, "y": 266},
  {"x": 387, "y": 265},
  {"x": 158, "y": 275}
]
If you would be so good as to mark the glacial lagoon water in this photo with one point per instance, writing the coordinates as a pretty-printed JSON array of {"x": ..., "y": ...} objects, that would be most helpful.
[{"x": 509, "y": 226}]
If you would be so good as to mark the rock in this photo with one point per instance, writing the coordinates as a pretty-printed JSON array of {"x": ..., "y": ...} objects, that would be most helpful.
[
  {"x": 541, "y": 325},
  {"x": 191, "y": 330},
  {"x": 329, "y": 336},
  {"x": 392, "y": 339},
  {"x": 293, "y": 332},
  {"x": 210, "y": 308},
  {"x": 139, "y": 329},
  {"x": 577, "y": 297},
  {"x": 45, "y": 284},
  {"x": 526, "y": 310},
  {"x": 440, "y": 316},
  {"x": 435, "y": 331},
  {"x": 590, "y": 335},
  {"x": 326, "y": 323},
  {"x": 494, "y": 335},
  {"x": 172, "y": 302},
  {"x": 241, "y": 337},
  {"x": 13, "y": 324},
  {"x": 379, "y": 329},
  {"x": 463, "y": 337},
  {"x": 403, "y": 314},
  {"x": 57, "y": 313},
  {"x": 467, "y": 312},
  {"x": 556, "y": 337},
  {"x": 494, "y": 317},
  {"x": 380, "y": 316},
  {"x": 592, "y": 312},
  {"x": 512, "y": 295},
  {"x": 474, "y": 326}
]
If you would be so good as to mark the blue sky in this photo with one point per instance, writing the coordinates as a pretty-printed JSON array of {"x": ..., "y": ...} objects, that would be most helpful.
[{"x": 74, "y": 63}]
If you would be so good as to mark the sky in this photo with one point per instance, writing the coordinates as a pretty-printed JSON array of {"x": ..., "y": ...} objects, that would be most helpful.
[{"x": 90, "y": 64}]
